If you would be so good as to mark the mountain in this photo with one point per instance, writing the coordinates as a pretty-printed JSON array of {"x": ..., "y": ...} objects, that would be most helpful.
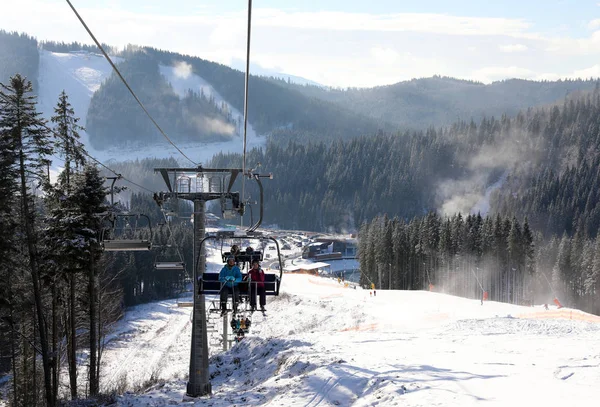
[
  {"x": 543, "y": 164},
  {"x": 18, "y": 54},
  {"x": 439, "y": 101},
  {"x": 258, "y": 70},
  {"x": 209, "y": 112}
]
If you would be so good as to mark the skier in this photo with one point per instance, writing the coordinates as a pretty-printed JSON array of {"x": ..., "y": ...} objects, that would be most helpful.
[
  {"x": 257, "y": 284},
  {"x": 230, "y": 275}
]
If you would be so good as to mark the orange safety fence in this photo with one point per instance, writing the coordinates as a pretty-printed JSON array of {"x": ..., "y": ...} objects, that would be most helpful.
[
  {"x": 368, "y": 327},
  {"x": 562, "y": 314}
]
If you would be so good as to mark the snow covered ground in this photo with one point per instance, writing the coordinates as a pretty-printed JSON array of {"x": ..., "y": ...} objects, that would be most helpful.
[
  {"x": 325, "y": 345},
  {"x": 80, "y": 74}
]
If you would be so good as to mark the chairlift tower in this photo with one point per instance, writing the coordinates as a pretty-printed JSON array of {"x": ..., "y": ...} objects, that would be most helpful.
[{"x": 200, "y": 185}]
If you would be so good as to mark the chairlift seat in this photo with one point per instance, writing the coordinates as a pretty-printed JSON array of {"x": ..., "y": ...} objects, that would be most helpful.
[
  {"x": 126, "y": 245},
  {"x": 210, "y": 284},
  {"x": 169, "y": 265}
]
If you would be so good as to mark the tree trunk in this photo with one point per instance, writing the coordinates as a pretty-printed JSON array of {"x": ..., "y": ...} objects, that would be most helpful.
[
  {"x": 72, "y": 342},
  {"x": 34, "y": 365},
  {"x": 94, "y": 384},
  {"x": 14, "y": 360},
  {"x": 33, "y": 258},
  {"x": 55, "y": 363}
]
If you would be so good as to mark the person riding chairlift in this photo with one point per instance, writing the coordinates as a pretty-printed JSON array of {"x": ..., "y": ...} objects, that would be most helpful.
[
  {"x": 230, "y": 275},
  {"x": 257, "y": 284}
]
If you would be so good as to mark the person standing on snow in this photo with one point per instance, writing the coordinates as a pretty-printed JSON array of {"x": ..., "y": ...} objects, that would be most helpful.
[
  {"x": 230, "y": 275},
  {"x": 257, "y": 284}
]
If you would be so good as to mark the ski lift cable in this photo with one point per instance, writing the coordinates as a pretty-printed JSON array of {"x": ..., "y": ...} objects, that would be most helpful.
[
  {"x": 246, "y": 98},
  {"x": 126, "y": 84},
  {"x": 80, "y": 144}
]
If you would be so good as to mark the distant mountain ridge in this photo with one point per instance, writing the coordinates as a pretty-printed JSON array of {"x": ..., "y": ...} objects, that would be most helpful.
[
  {"x": 278, "y": 108},
  {"x": 439, "y": 101}
]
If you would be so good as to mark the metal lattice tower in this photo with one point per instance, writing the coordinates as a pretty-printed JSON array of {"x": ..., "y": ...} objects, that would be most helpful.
[{"x": 200, "y": 185}]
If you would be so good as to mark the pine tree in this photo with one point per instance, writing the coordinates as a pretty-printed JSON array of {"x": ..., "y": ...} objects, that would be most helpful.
[
  {"x": 560, "y": 271},
  {"x": 27, "y": 136},
  {"x": 67, "y": 144},
  {"x": 515, "y": 263},
  {"x": 89, "y": 196},
  {"x": 69, "y": 148},
  {"x": 592, "y": 281}
]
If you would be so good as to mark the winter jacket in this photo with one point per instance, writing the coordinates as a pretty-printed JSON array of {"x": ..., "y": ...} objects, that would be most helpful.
[
  {"x": 257, "y": 276},
  {"x": 234, "y": 272}
]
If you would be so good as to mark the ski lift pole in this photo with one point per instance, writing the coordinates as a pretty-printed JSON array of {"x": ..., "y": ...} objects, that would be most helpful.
[{"x": 247, "y": 77}]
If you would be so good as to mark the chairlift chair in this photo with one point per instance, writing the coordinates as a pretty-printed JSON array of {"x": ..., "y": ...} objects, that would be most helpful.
[
  {"x": 170, "y": 265},
  {"x": 208, "y": 282},
  {"x": 126, "y": 228}
]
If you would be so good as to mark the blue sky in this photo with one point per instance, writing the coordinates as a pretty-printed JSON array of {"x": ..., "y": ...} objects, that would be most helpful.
[{"x": 346, "y": 42}]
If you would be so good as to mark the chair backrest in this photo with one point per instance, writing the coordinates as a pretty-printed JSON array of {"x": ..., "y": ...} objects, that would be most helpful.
[
  {"x": 210, "y": 284},
  {"x": 245, "y": 257}
]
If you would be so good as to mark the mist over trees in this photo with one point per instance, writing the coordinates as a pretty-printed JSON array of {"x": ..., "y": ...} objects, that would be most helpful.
[
  {"x": 115, "y": 119},
  {"x": 545, "y": 161}
]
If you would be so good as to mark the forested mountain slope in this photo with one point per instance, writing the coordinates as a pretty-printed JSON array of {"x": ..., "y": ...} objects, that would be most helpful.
[
  {"x": 546, "y": 162},
  {"x": 437, "y": 101},
  {"x": 18, "y": 54},
  {"x": 273, "y": 110},
  {"x": 283, "y": 110},
  {"x": 114, "y": 118}
]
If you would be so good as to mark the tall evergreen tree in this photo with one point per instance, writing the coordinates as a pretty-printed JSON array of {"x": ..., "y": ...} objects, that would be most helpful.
[
  {"x": 89, "y": 196},
  {"x": 69, "y": 148},
  {"x": 27, "y": 136}
]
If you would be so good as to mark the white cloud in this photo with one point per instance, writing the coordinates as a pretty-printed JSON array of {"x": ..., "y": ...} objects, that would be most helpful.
[
  {"x": 385, "y": 55},
  {"x": 513, "y": 48},
  {"x": 594, "y": 24},
  {"x": 591, "y": 72},
  {"x": 494, "y": 73},
  {"x": 399, "y": 22},
  {"x": 574, "y": 46},
  {"x": 333, "y": 48}
]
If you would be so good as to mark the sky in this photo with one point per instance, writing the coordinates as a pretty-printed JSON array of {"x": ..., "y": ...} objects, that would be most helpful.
[{"x": 343, "y": 43}]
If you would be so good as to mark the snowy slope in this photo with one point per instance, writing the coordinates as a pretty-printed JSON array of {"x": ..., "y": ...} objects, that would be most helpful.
[
  {"x": 80, "y": 74},
  {"x": 325, "y": 345}
]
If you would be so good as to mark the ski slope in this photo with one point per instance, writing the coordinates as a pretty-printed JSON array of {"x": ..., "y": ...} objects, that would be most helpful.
[{"x": 325, "y": 345}]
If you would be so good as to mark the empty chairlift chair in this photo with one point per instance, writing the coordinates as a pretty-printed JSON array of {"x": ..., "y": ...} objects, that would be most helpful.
[{"x": 123, "y": 235}]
